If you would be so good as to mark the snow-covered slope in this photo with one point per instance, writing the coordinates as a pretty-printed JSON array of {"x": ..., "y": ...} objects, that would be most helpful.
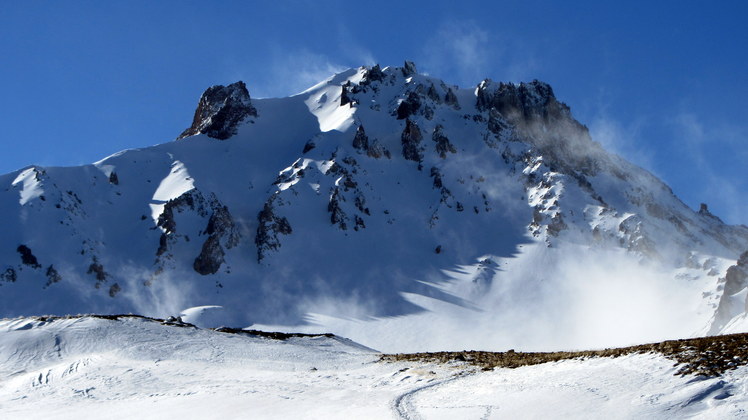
[
  {"x": 383, "y": 205},
  {"x": 124, "y": 368}
]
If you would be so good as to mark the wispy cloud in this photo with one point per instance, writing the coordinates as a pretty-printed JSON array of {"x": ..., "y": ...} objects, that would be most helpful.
[
  {"x": 465, "y": 51},
  {"x": 717, "y": 154}
]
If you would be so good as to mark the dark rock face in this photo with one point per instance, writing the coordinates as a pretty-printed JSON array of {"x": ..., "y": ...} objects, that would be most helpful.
[
  {"x": 361, "y": 140},
  {"x": 409, "y": 69},
  {"x": 409, "y": 106},
  {"x": 451, "y": 99},
  {"x": 27, "y": 257},
  {"x": 337, "y": 215},
  {"x": 220, "y": 226},
  {"x": 113, "y": 178},
  {"x": 372, "y": 149},
  {"x": 98, "y": 271},
  {"x": 220, "y": 110},
  {"x": 411, "y": 141},
  {"x": 527, "y": 100},
  {"x": 308, "y": 146},
  {"x": 344, "y": 98},
  {"x": 53, "y": 276},
  {"x": 442, "y": 142},
  {"x": 269, "y": 227},
  {"x": 210, "y": 258},
  {"x": 535, "y": 116},
  {"x": 9, "y": 275},
  {"x": 433, "y": 94},
  {"x": 374, "y": 74},
  {"x": 736, "y": 279}
]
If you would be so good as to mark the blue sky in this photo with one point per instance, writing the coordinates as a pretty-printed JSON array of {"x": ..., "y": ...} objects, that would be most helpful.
[{"x": 663, "y": 84}]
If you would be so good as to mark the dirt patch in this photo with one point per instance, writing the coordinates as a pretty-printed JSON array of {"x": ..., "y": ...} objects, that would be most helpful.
[{"x": 708, "y": 356}]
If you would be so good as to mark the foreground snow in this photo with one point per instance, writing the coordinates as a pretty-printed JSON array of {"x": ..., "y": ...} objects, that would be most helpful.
[{"x": 138, "y": 368}]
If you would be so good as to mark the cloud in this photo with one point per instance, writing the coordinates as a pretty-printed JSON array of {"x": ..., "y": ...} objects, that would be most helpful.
[
  {"x": 460, "y": 48},
  {"x": 716, "y": 154},
  {"x": 467, "y": 53}
]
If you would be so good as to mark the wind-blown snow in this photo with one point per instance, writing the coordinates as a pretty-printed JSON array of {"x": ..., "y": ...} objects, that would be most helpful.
[
  {"x": 172, "y": 186},
  {"x": 30, "y": 185}
]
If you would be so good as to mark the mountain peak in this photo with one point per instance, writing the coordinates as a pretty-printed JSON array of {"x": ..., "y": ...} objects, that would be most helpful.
[{"x": 220, "y": 110}]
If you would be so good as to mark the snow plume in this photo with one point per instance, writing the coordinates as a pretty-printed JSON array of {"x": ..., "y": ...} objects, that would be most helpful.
[
  {"x": 291, "y": 72},
  {"x": 161, "y": 296},
  {"x": 623, "y": 139},
  {"x": 591, "y": 299}
]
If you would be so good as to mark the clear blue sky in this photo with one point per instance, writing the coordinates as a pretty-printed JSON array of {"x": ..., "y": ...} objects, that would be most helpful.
[{"x": 662, "y": 83}]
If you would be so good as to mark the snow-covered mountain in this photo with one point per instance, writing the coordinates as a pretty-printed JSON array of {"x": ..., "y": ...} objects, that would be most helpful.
[{"x": 383, "y": 205}]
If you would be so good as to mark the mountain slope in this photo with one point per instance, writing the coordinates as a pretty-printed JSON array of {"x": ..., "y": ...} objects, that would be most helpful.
[{"x": 383, "y": 205}]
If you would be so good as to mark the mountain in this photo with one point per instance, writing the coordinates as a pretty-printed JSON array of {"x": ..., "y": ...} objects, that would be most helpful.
[{"x": 383, "y": 205}]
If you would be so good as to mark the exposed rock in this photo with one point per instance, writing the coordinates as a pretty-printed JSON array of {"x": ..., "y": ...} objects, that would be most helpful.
[
  {"x": 52, "y": 276},
  {"x": 409, "y": 106},
  {"x": 556, "y": 225},
  {"x": 220, "y": 110},
  {"x": 436, "y": 174},
  {"x": 376, "y": 150},
  {"x": 114, "y": 289},
  {"x": 27, "y": 257},
  {"x": 220, "y": 227},
  {"x": 9, "y": 275},
  {"x": 374, "y": 74},
  {"x": 411, "y": 141},
  {"x": 433, "y": 94},
  {"x": 360, "y": 139},
  {"x": 451, "y": 99},
  {"x": 344, "y": 98},
  {"x": 98, "y": 270},
  {"x": 337, "y": 215},
  {"x": 704, "y": 211},
  {"x": 735, "y": 280},
  {"x": 308, "y": 146},
  {"x": 113, "y": 178},
  {"x": 166, "y": 218},
  {"x": 409, "y": 69},
  {"x": 211, "y": 256},
  {"x": 163, "y": 244},
  {"x": 269, "y": 227},
  {"x": 442, "y": 142}
]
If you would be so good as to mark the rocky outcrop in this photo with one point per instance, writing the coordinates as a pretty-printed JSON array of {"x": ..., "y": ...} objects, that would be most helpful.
[
  {"x": 536, "y": 117},
  {"x": 221, "y": 231},
  {"x": 451, "y": 99},
  {"x": 411, "y": 141},
  {"x": 9, "y": 275},
  {"x": 442, "y": 142},
  {"x": 409, "y": 69},
  {"x": 98, "y": 271},
  {"x": 269, "y": 227},
  {"x": 27, "y": 257},
  {"x": 409, "y": 106},
  {"x": 220, "y": 110},
  {"x": 374, "y": 74},
  {"x": 372, "y": 149},
  {"x": 360, "y": 139},
  {"x": 53, "y": 276},
  {"x": 735, "y": 280}
]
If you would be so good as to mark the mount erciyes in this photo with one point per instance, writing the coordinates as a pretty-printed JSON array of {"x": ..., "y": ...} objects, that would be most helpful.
[{"x": 383, "y": 205}]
